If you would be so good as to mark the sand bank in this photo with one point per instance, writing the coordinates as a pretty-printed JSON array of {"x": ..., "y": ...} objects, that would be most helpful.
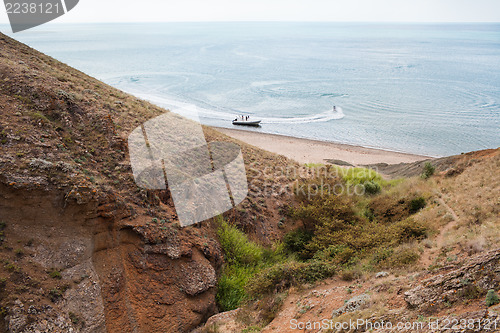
[{"x": 313, "y": 151}]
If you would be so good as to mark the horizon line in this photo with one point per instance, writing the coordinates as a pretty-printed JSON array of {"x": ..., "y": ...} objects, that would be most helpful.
[{"x": 273, "y": 21}]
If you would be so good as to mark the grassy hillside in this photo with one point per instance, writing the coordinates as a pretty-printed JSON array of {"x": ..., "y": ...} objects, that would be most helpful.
[{"x": 83, "y": 247}]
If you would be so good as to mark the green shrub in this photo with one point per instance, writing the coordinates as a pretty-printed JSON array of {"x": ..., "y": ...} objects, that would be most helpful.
[
  {"x": 390, "y": 257},
  {"x": 269, "y": 307},
  {"x": 408, "y": 230},
  {"x": 369, "y": 214},
  {"x": 382, "y": 255},
  {"x": 236, "y": 246},
  {"x": 339, "y": 254},
  {"x": 492, "y": 298},
  {"x": 319, "y": 209},
  {"x": 416, "y": 204},
  {"x": 296, "y": 241},
  {"x": 401, "y": 258},
  {"x": 39, "y": 117},
  {"x": 12, "y": 267},
  {"x": 371, "y": 187},
  {"x": 231, "y": 288},
  {"x": 243, "y": 259},
  {"x": 354, "y": 176},
  {"x": 55, "y": 274},
  {"x": 55, "y": 294},
  {"x": 429, "y": 170}
]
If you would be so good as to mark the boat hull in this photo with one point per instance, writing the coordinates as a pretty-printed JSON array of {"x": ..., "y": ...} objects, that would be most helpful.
[{"x": 247, "y": 123}]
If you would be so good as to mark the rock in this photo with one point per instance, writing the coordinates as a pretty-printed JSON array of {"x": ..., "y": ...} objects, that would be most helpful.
[
  {"x": 455, "y": 171},
  {"x": 64, "y": 167},
  {"x": 469, "y": 281},
  {"x": 173, "y": 251},
  {"x": 16, "y": 319},
  {"x": 381, "y": 274},
  {"x": 84, "y": 298},
  {"x": 225, "y": 322},
  {"x": 38, "y": 163},
  {"x": 199, "y": 276},
  {"x": 65, "y": 95},
  {"x": 354, "y": 304}
]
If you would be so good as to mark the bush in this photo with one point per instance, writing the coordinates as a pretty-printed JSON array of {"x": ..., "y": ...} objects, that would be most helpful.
[
  {"x": 244, "y": 259},
  {"x": 416, "y": 204},
  {"x": 470, "y": 291},
  {"x": 339, "y": 254},
  {"x": 55, "y": 294},
  {"x": 351, "y": 274},
  {"x": 404, "y": 257},
  {"x": 369, "y": 214},
  {"x": 282, "y": 276},
  {"x": 236, "y": 246},
  {"x": 395, "y": 258},
  {"x": 371, "y": 187},
  {"x": 231, "y": 288},
  {"x": 492, "y": 298},
  {"x": 429, "y": 170},
  {"x": 381, "y": 255},
  {"x": 409, "y": 230},
  {"x": 55, "y": 274},
  {"x": 295, "y": 241},
  {"x": 354, "y": 176},
  {"x": 75, "y": 319}
]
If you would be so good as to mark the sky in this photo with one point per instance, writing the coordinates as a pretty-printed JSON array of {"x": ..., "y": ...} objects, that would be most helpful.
[{"x": 281, "y": 10}]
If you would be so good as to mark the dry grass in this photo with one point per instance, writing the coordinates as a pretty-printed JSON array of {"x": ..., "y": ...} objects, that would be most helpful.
[{"x": 473, "y": 195}]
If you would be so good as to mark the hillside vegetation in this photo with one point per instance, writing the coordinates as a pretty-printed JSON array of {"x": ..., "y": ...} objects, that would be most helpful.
[
  {"x": 84, "y": 249},
  {"x": 83, "y": 246}
]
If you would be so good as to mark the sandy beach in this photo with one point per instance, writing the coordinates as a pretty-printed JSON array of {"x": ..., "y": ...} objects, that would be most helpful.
[{"x": 313, "y": 151}]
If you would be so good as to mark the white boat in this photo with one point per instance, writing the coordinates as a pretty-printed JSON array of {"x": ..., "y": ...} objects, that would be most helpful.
[{"x": 246, "y": 122}]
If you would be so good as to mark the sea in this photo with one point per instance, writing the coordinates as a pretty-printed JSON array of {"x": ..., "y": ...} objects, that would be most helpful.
[{"x": 430, "y": 89}]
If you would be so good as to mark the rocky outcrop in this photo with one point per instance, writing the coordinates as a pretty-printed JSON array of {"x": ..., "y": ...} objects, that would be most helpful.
[
  {"x": 225, "y": 322},
  {"x": 354, "y": 304},
  {"x": 114, "y": 275},
  {"x": 470, "y": 281}
]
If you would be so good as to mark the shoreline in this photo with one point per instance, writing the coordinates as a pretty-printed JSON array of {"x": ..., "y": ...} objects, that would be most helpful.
[{"x": 315, "y": 151}]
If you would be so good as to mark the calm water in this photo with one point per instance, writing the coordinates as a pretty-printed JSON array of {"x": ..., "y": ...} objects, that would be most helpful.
[{"x": 427, "y": 89}]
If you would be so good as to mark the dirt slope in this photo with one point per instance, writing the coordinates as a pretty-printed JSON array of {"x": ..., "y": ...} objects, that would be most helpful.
[
  {"x": 447, "y": 287},
  {"x": 83, "y": 248}
]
